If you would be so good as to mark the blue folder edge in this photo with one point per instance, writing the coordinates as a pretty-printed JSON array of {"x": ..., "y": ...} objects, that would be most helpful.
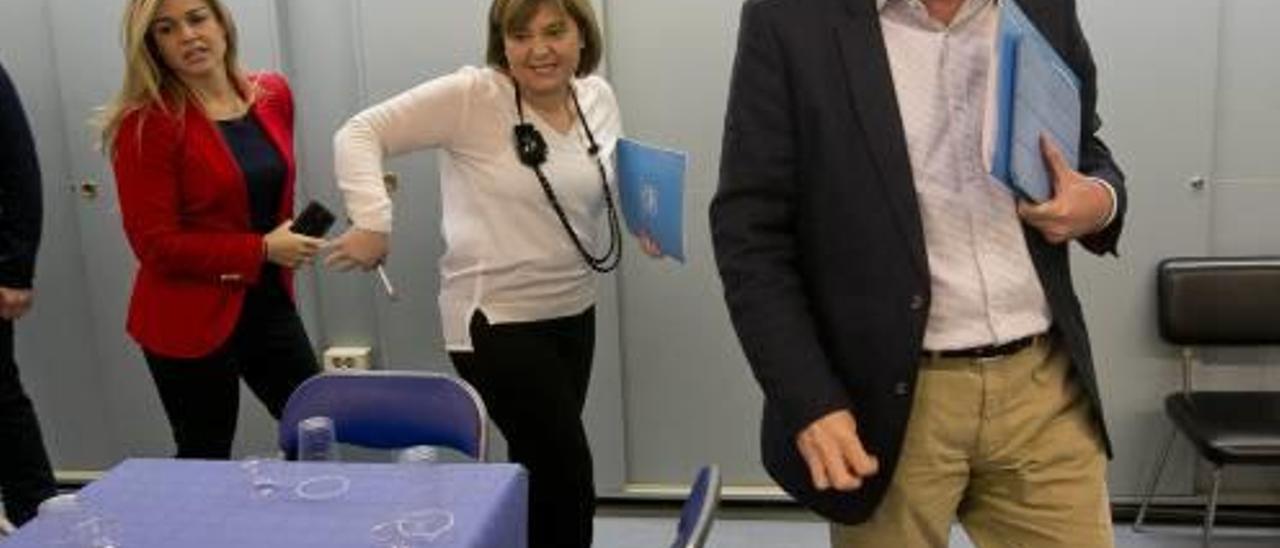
[
  {"x": 651, "y": 189},
  {"x": 1017, "y": 37},
  {"x": 1005, "y": 85}
]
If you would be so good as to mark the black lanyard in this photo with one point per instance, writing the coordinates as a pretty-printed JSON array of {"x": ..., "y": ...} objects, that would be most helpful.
[{"x": 531, "y": 148}]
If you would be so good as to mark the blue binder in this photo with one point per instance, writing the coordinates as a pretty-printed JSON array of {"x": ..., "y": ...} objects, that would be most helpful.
[
  {"x": 1036, "y": 93},
  {"x": 651, "y": 185}
]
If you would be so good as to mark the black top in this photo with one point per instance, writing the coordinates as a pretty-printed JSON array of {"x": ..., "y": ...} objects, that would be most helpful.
[
  {"x": 264, "y": 173},
  {"x": 20, "y": 200},
  {"x": 263, "y": 169}
]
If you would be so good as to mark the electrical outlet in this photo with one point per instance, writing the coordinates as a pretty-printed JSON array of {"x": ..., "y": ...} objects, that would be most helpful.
[{"x": 348, "y": 357}]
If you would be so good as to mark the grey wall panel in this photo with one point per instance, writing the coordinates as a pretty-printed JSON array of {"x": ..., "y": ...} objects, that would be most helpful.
[
  {"x": 1246, "y": 216},
  {"x": 690, "y": 397},
  {"x": 55, "y": 341},
  {"x": 1249, "y": 102},
  {"x": 1158, "y": 93}
]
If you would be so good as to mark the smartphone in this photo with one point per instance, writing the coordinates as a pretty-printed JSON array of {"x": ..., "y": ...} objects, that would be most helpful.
[{"x": 315, "y": 220}]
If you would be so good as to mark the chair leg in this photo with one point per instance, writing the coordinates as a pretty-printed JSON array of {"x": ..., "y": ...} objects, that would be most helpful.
[
  {"x": 1155, "y": 480},
  {"x": 1212, "y": 510}
]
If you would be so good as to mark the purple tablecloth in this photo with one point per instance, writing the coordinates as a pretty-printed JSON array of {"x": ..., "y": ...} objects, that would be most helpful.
[{"x": 165, "y": 503}]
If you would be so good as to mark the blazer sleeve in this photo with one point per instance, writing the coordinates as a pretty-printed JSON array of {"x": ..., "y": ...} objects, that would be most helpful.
[
  {"x": 1095, "y": 157},
  {"x": 20, "y": 199},
  {"x": 146, "y": 163},
  {"x": 753, "y": 228}
]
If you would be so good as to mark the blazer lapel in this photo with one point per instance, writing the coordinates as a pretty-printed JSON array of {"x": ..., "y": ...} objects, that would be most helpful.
[
  {"x": 217, "y": 152},
  {"x": 866, "y": 66}
]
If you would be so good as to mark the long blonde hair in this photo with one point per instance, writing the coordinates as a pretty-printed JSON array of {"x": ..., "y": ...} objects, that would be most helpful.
[{"x": 148, "y": 80}]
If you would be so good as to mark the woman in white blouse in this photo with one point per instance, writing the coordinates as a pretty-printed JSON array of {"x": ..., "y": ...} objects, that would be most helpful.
[{"x": 526, "y": 163}]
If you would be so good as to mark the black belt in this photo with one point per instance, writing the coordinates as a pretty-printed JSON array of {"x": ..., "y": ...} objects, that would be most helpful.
[{"x": 988, "y": 351}]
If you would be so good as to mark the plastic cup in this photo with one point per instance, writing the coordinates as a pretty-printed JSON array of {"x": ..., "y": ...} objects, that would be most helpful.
[{"x": 316, "y": 440}]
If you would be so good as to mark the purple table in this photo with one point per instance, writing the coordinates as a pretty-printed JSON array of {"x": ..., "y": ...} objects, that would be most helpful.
[{"x": 163, "y": 503}]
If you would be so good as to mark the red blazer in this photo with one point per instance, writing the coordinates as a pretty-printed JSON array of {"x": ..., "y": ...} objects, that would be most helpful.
[{"x": 186, "y": 214}]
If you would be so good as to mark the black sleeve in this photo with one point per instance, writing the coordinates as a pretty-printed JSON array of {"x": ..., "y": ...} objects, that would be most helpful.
[
  {"x": 753, "y": 229},
  {"x": 20, "y": 200},
  {"x": 1095, "y": 157}
]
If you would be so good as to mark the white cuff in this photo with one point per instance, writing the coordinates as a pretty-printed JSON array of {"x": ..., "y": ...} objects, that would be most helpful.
[{"x": 1115, "y": 202}]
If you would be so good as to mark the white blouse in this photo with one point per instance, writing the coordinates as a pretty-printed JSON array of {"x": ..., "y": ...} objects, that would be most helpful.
[{"x": 506, "y": 251}]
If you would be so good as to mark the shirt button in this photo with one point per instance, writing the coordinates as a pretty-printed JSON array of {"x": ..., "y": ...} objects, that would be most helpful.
[
  {"x": 917, "y": 302},
  {"x": 901, "y": 389}
]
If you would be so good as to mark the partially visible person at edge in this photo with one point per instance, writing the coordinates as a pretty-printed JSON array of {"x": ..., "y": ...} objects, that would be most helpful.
[
  {"x": 203, "y": 157},
  {"x": 913, "y": 325},
  {"x": 26, "y": 479},
  {"x": 526, "y": 173}
]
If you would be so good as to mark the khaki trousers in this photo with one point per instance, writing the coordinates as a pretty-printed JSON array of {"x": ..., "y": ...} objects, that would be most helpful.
[{"x": 1008, "y": 446}]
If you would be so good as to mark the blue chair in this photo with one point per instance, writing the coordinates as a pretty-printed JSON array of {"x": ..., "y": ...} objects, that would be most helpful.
[
  {"x": 699, "y": 509},
  {"x": 390, "y": 410}
]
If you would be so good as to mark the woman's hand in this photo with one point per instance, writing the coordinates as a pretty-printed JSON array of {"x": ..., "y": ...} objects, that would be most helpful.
[
  {"x": 290, "y": 249},
  {"x": 650, "y": 246},
  {"x": 358, "y": 247}
]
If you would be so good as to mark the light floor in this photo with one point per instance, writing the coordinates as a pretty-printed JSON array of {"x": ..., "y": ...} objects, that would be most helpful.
[{"x": 790, "y": 529}]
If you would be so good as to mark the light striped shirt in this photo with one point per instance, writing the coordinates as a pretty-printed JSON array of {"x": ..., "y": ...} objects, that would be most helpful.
[{"x": 985, "y": 289}]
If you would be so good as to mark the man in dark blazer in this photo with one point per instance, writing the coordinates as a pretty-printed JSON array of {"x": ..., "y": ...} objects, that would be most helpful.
[
  {"x": 25, "y": 475},
  {"x": 913, "y": 325}
]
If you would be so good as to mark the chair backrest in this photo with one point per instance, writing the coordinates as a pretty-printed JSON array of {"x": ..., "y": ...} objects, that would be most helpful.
[
  {"x": 390, "y": 410},
  {"x": 1219, "y": 301},
  {"x": 699, "y": 509}
]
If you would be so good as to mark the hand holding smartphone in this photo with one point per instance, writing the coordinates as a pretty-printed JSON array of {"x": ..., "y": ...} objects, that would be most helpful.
[{"x": 315, "y": 220}]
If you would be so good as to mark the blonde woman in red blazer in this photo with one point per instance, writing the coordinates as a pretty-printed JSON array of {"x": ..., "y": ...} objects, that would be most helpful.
[{"x": 203, "y": 157}]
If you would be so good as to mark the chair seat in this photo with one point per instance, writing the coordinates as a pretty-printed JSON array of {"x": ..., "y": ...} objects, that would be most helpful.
[{"x": 1230, "y": 427}]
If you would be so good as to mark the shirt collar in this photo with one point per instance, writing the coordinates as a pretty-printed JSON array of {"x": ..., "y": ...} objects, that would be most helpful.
[{"x": 880, "y": 4}]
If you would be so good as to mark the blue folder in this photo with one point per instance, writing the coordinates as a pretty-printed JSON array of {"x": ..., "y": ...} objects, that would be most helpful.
[
  {"x": 1036, "y": 94},
  {"x": 651, "y": 185}
]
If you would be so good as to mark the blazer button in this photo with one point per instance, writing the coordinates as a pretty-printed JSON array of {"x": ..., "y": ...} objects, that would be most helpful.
[
  {"x": 901, "y": 389},
  {"x": 917, "y": 302}
]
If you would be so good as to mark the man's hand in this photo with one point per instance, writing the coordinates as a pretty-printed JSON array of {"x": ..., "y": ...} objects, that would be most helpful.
[
  {"x": 834, "y": 454},
  {"x": 1079, "y": 205},
  {"x": 14, "y": 302},
  {"x": 357, "y": 247}
]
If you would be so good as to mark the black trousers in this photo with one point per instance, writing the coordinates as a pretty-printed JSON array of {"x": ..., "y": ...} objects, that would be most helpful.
[
  {"x": 26, "y": 478},
  {"x": 269, "y": 349},
  {"x": 533, "y": 377}
]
